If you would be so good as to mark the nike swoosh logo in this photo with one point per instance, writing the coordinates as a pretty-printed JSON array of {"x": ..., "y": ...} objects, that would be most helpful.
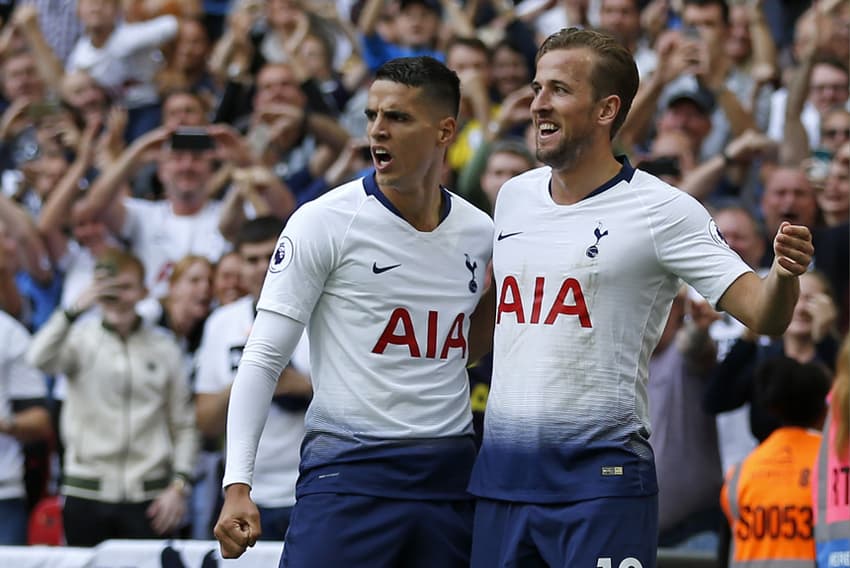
[
  {"x": 381, "y": 269},
  {"x": 507, "y": 235}
]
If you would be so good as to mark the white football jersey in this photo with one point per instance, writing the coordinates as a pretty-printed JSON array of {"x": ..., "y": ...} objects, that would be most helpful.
[
  {"x": 160, "y": 238},
  {"x": 18, "y": 381},
  {"x": 583, "y": 293},
  {"x": 276, "y": 468},
  {"x": 388, "y": 310}
]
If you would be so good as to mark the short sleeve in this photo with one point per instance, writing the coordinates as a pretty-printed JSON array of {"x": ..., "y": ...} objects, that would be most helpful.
[
  {"x": 25, "y": 381},
  {"x": 690, "y": 246},
  {"x": 303, "y": 260}
]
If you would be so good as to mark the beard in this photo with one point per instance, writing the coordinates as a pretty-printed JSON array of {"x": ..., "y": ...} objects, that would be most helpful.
[{"x": 568, "y": 152}]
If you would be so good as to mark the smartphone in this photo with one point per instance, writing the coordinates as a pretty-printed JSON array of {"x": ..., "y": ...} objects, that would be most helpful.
[
  {"x": 193, "y": 139},
  {"x": 109, "y": 270},
  {"x": 690, "y": 32},
  {"x": 106, "y": 267}
]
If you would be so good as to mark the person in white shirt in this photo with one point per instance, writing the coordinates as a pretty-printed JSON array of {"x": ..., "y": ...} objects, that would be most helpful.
[
  {"x": 23, "y": 418},
  {"x": 123, "y": 58},
  {"x": 588, "y": 257},
  {"x": 386, "y": 272},
  {"x": 225, "y": 334}
]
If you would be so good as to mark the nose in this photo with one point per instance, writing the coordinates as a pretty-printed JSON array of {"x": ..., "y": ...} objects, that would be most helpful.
[
  {"x": 540, "y": 101},
  {"x": 377, "y": 128}
]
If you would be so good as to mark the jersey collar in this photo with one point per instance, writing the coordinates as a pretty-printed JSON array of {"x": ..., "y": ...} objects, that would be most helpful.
[
  {"x": 625, "y": 174},
  {"x": 371, "y": 187}
]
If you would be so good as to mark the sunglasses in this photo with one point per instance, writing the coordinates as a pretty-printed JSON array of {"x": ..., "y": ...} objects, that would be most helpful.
[{"x": 833, "y": 132}]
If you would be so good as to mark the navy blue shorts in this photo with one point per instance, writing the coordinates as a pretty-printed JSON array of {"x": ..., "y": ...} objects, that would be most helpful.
[
  {"x": 332, "y": 529},
  {"x": 609, "y": 532}
]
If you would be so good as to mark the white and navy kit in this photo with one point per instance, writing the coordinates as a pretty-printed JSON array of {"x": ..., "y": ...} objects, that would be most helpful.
[
  {"x": 388, "y": 313},
  {"x": 276, "y": 468},
  {"x": 584, "y": 291}
]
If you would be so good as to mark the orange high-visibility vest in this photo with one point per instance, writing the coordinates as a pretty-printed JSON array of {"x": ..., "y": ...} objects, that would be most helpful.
[{"x": 767, "y": 499}]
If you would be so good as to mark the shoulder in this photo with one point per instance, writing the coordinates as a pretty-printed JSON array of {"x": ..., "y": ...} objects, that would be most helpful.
[
  {"x": 12, "y": 328},
  {"x": 470, "y": 212},
  {"x": 330, "y": 214},
  {"x": 527, "y": 181},
  {"x": 659, "y": 195},
  {"x": 160, "y": 337},
  {"x": 223, "y": 316}
]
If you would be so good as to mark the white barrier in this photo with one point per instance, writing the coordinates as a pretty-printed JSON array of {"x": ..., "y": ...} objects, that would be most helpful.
[{"x": 138, "y": 554}]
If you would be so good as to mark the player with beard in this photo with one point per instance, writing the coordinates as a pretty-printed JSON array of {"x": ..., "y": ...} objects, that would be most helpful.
[{"x": 588, "y": 256}]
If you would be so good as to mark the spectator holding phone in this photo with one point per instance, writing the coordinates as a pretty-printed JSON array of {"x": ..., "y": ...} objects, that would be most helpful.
[
  {"x": 128, "y": 420},
  {"x": 186, "y": 221}
]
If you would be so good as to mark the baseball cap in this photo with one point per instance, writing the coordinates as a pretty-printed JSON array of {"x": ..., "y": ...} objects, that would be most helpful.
[
  {"x": 700, "y": 96},
  {"x": 433, "y": 5}
]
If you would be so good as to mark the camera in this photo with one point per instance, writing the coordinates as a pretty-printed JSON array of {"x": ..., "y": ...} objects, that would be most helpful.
[{"x": 192, "y": 139}]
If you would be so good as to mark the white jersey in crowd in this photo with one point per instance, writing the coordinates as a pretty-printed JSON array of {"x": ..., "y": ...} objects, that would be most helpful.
[
  {"x": 583, "y": 292},
  {"x": 276, "y": 468},
  {"x": 160, "y": 238},
  {"x": 18, "y": 381},
  {"x": 389, "y": 313}
]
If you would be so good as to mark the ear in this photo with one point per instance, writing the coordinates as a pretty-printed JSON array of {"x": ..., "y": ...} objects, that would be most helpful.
[
  {"x": 447, "y": 130},
  {"x": 609, "y": 107}
]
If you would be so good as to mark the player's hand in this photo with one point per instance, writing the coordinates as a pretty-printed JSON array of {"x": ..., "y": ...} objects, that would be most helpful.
[
  {"x": 238, "y": 526},
  {"x": 793, "y": 249}
]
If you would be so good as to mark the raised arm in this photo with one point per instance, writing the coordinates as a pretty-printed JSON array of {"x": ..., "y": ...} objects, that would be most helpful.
[
  {"x": 100, "y": 201},
  {"x": 765, "y": 305},
  {"x": 22, "y": 228},
  {"x": 25, "y": 20},
  {"x": 369, "y": 16},
  {"x": 54, "y": 214}
]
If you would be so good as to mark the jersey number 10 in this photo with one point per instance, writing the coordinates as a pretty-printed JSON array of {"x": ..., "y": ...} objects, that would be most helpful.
[{"x": 626, "y": 563}]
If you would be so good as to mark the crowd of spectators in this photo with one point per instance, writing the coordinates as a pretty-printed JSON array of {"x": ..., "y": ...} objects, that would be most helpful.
[{"x": 139, "y": 141}]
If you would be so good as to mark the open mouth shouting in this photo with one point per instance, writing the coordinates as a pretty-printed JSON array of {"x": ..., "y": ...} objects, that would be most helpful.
[{"x": 381, "y": 157}]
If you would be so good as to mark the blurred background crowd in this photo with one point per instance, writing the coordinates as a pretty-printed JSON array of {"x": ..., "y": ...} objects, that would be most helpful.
[{"x": 151, "y": 150}]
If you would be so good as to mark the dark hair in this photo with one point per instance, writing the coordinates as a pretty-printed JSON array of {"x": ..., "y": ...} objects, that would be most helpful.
[
  {"x": 724, "y": 7},
  {"x": 735, "y": 205},
  {"x": 793, "y": 392},
  {"x": 471, "y": 43},
  {"x": 186, "y": 92},
  {"x": 831, "y": 61},
  {"x": 614, "y": 70},
  {"x": 439, "y": 84},
  {"x": 259, "y": 230},
  {"x": 513, "y": 146}
]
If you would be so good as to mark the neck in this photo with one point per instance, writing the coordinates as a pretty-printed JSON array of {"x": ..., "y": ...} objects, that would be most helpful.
[
  {"x": 420, "y": 206},
  {"x": 573, "y": 183},
  {"x": 179, "y": 319},
  {"x": 799, "y": 348},
  {"x": 98, "y": 36},
  {"x": 181, "y": 207},
  {"x": 123, "y": 323}
]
